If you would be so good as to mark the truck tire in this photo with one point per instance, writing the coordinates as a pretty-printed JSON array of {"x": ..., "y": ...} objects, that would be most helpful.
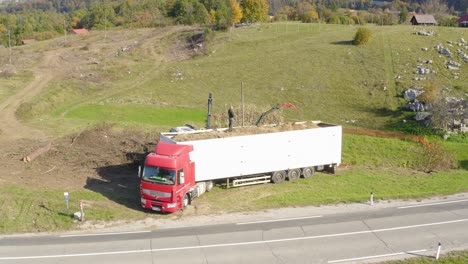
[
  {"x": 186, "y": 201},
  {"x": 209, "y": 185},
  {"x": 278, "y": 176},
  {"x": 308, "y": 172},
  {"x": 294, "y": 174}
]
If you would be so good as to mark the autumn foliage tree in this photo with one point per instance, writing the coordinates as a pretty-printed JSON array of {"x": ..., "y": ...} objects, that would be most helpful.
[
  {"x": 254, "y": 10},
  {"x": 306, "y": 12},
  {"x": 236, "y": 11}
]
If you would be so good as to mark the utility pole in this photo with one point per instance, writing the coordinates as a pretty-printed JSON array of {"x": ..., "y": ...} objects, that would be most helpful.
[
  {"x": 9, "y": 43},
  {"x": 210, "y": 104},
  {"x": 105, "y": 19},
  {"x": 65, "y": 29},
  {"x": 242, "y": 102}
]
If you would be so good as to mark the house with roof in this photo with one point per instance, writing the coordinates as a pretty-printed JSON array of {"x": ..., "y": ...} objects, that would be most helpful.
[
  {"x": 79, "y": 31},
  {"x": 423, "y": 20},
  {"x": 463, "y": 21}
]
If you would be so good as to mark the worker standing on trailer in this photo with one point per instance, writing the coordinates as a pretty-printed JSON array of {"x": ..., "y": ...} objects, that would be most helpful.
[{"x": 231, "y": 117}]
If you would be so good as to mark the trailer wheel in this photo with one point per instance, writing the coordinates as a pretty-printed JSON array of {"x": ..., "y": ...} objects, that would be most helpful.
[
  {"x": 185, "y": 201},
  {"x": 278, "y": 176},
  {"x": 308, "y": 172},
  {"x": 209, "y": 186},
  {"x": 294, "y": 174}
]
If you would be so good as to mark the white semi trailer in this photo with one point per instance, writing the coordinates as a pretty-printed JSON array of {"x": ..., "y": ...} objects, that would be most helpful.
[{"x": 179, "y": 171}]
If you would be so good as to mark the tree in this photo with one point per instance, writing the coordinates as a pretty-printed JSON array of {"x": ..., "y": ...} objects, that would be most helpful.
[
  {"x": 254, "y": 10},
  {"x": 286, "y": 13},
  {"x": 434, "y": 7},
  {"x": 236, "y": 11},
  {"x": 306, "y": 12},
  {"x": 198, "y": 13},
  {"x": 100, "y": 16},
  {"x": 221, "y": 14},
  {"x": 403, "y": 16}
]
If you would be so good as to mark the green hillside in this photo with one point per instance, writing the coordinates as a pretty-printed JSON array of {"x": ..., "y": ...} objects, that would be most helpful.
[{"x": 313, "y": 66}]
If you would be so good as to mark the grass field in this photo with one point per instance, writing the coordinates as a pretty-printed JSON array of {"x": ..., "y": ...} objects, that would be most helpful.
[
  {"x": 313, "y": 66},
  {"x": 163, "y": 117}
]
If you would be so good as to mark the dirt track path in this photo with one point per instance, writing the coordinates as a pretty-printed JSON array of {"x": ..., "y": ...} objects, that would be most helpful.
[
  {"x": 52, "y": 65},
  {"x": 11, "y": 127}
]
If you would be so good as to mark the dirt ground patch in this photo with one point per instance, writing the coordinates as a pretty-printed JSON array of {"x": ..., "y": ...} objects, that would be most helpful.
[
  {"x": 93, "y": 152},
  {"x": 73, "y": 160}
]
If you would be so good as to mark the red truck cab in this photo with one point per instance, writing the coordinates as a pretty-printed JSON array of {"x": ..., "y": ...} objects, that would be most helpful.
[{"x": 167, "y": 178}]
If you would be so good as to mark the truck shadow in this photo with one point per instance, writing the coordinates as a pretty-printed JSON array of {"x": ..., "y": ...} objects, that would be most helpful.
[{"x": 118, "y": 183}]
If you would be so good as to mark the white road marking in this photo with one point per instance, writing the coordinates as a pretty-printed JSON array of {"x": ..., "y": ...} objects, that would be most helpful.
[
  {"x": 77, "y": 255},
  {"x": 377, "y": 256},
  {"x": 279, "y": 220},
  {"x": 105, "y": 234},
  {"x": 236, "y": 244},
  {"x": 430, "y": 204}
]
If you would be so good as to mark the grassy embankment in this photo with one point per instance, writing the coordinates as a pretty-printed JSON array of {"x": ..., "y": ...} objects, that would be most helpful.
[{"x": 377, "y": 165}]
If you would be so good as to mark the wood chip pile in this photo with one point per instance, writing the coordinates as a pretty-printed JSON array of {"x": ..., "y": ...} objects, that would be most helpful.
[{"x": 243, "y": 131}]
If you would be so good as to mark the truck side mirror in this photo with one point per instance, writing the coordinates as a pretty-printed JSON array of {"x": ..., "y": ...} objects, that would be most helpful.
[
  {"x": 139, "y": 171},
  {"x": 181, "y": 177}
]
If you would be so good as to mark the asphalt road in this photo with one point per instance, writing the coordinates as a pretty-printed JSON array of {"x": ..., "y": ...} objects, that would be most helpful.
[{"x": 364, "y": 236}]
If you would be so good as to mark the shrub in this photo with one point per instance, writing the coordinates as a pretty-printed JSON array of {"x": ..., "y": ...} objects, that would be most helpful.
[
  {"x": 431, "y": 93},
  {"x": 434, "y": 157},
  {"x": 363, "y": 36}
]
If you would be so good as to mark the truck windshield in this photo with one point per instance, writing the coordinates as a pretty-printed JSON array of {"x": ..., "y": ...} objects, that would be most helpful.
[{"x": 159, "y": 175}]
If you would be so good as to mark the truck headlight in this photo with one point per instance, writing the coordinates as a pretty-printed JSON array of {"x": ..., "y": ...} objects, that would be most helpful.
[
  {"x": 171, "y": 205},
  {"x": 143, "y": 201}
]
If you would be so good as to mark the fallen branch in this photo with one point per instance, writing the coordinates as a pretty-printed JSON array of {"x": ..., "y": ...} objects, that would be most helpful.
[
  {"x": 76, "y": 137},
  {"x": 38, "y": 152},
  {"x": 49, "y": 170}
]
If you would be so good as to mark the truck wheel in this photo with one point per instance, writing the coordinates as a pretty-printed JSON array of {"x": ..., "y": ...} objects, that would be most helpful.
[
  {"x": 209, "y": 185},
  {"x": 308, "y": 172},
  {"x": 278, "y": 176},
  {"x": 294, "y": 174},
  {"x": 185, "y": 201}
]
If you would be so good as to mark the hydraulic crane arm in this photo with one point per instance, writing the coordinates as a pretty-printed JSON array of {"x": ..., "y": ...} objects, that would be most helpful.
[{"x": 274, "y": 108}]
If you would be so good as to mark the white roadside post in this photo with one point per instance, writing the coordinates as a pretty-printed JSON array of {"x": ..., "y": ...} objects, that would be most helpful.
[
  {"x": 65, "y": 194},
  {"x": 82, "y": 211},
  {"x": 371, "y": 198},
  {"x": 438, "y": 251}
]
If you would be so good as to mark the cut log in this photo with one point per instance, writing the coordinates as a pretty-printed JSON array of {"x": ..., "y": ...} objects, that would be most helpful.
[{"x": 38, "y": 152}]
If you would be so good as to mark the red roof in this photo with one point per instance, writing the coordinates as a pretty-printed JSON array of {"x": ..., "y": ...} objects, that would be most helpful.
[
  {"x": 463, "y": 18},
  {"x": 80, "y": 31},
  {"x": 28, "y": 41}
]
